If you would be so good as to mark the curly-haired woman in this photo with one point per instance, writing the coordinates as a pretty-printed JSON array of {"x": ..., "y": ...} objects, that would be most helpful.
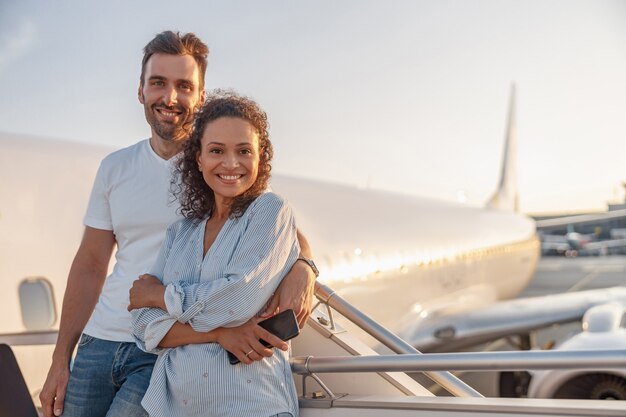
[{"x": 217, "y": 269}]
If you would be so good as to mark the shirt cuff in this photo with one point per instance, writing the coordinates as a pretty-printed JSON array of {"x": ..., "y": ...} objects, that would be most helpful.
[
  {"x": 174, "y": 298},
  {"x": 155, "y": 332}
]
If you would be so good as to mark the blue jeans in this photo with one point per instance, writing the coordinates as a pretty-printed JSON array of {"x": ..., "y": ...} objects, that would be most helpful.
[{"x": 108, "y": 379}]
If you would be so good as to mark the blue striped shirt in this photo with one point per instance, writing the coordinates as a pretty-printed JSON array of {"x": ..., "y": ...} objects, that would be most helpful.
[{"x": 224, "y": 288}]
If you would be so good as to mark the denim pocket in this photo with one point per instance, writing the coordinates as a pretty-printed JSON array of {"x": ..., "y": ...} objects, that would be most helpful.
[{"x": 85, "y": 339}]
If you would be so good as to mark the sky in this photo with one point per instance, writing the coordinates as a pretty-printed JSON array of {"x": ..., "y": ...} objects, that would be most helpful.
[{"x": 407, "y": 96}]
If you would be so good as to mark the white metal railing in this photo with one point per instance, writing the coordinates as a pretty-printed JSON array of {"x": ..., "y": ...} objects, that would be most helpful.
[
  {"x": 443, "y": 378},
  {"x": 46, "y": 337},
  {"x": 468, "y": 361}
]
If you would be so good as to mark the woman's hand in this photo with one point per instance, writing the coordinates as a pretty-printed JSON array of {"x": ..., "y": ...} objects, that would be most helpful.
[
  {"x": 147, "y": 291},
  {"x": 243, "y": 341}
]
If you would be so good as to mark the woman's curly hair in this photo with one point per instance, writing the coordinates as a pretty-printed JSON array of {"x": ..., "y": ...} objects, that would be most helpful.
[{"x": 195, "y": 196}]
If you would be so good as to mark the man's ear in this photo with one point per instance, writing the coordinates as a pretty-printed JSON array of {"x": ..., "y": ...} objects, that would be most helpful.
[
  {"x": 202, "y": 96},
  {"x": 140, "y": 94}
]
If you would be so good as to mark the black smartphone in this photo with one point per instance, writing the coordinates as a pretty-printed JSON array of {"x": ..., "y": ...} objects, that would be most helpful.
[{"x": 284, "y": 325}]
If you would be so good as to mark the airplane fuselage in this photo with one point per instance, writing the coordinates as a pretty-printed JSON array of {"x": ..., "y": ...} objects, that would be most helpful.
[
  {"x": 400, "y": 257},
  {"x": 390, "y": 254}
]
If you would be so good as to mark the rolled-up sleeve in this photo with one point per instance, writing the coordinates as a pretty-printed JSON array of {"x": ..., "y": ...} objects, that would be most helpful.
[
  {"x": 266, "y": 251},
  {"x": 150, "y": 325}
]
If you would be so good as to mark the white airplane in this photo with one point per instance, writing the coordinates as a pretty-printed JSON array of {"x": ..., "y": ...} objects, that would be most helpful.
[
  {"x": 573, "y": 243},
  {"x": 435, "y": 273},
  {"x": 568, "y": 244}
]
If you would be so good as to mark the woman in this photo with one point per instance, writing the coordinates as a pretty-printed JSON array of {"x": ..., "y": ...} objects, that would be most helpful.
[{"x": 218, "y": 267}]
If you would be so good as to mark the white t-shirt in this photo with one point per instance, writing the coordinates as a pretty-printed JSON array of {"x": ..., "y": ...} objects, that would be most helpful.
[{"x": 131, "y": 196}]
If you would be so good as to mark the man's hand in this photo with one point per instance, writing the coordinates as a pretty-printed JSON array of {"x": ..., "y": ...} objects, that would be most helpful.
[
  {"x": 294, "y": 292},
  {"x": 147, "y": 291},
  {"x": 84, "y": 284},
  {"x": 52, "y": 394},
  {"x": 243, "y": 341}
]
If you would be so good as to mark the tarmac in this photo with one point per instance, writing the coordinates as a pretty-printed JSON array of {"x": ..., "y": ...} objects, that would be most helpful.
[{"x": 556, "y": 275}]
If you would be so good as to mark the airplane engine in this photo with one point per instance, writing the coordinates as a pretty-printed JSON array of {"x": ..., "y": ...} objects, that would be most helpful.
[{"x": 602, "y": 328}]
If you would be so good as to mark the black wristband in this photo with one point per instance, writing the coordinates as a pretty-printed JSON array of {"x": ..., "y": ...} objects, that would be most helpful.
[{"x": 310, "y": 263}]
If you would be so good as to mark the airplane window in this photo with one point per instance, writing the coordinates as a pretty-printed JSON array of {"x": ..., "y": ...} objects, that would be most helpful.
[{"x": 37, "y": 304}]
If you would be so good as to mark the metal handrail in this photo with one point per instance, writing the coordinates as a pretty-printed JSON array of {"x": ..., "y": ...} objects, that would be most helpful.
[
  {"x": 32, "y": 338},
  {"x": 467, "y": 361},
  {"x": 445, "y": 379}
]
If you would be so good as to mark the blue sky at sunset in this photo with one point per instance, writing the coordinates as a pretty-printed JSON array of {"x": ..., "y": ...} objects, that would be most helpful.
[{"x": 407, "y": 96}]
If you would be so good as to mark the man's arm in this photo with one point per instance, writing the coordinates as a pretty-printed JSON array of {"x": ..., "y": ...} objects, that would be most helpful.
[
  {"x": 305, "y": 248},
  {"x": 297, "y": 288},
  {"x": 84, "y": 284}
]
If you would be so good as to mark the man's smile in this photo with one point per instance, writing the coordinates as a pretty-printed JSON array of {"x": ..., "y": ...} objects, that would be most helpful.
[{"x": 167, "y": 114}]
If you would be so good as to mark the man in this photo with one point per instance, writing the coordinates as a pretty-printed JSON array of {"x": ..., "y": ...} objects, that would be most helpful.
[{"x": 130, "y": 206}]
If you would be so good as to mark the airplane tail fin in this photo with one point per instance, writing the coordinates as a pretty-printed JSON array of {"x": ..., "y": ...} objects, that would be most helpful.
[{"x": 506, "y": 196}]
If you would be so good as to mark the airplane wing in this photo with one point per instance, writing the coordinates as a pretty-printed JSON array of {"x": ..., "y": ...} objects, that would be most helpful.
[
  {"x": 602, "y": 244},
  {"x": 560, "y": 222},
  {"x": 558, "y": 246},
  {"x": 506, "y": 318}
]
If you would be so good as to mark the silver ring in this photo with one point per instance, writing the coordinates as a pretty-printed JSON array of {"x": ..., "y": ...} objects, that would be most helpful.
[{"x": 249, "y": 352}]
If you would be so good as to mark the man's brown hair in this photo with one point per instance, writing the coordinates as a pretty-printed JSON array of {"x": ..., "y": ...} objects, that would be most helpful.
[{"x": 173, "y": 43}]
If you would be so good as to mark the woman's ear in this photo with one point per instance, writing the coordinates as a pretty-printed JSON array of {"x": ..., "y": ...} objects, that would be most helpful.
[{"x": 198, "y": 161}]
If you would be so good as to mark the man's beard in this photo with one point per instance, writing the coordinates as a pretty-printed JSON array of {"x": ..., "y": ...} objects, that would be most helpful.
[{"x": 170, "y": 132}]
